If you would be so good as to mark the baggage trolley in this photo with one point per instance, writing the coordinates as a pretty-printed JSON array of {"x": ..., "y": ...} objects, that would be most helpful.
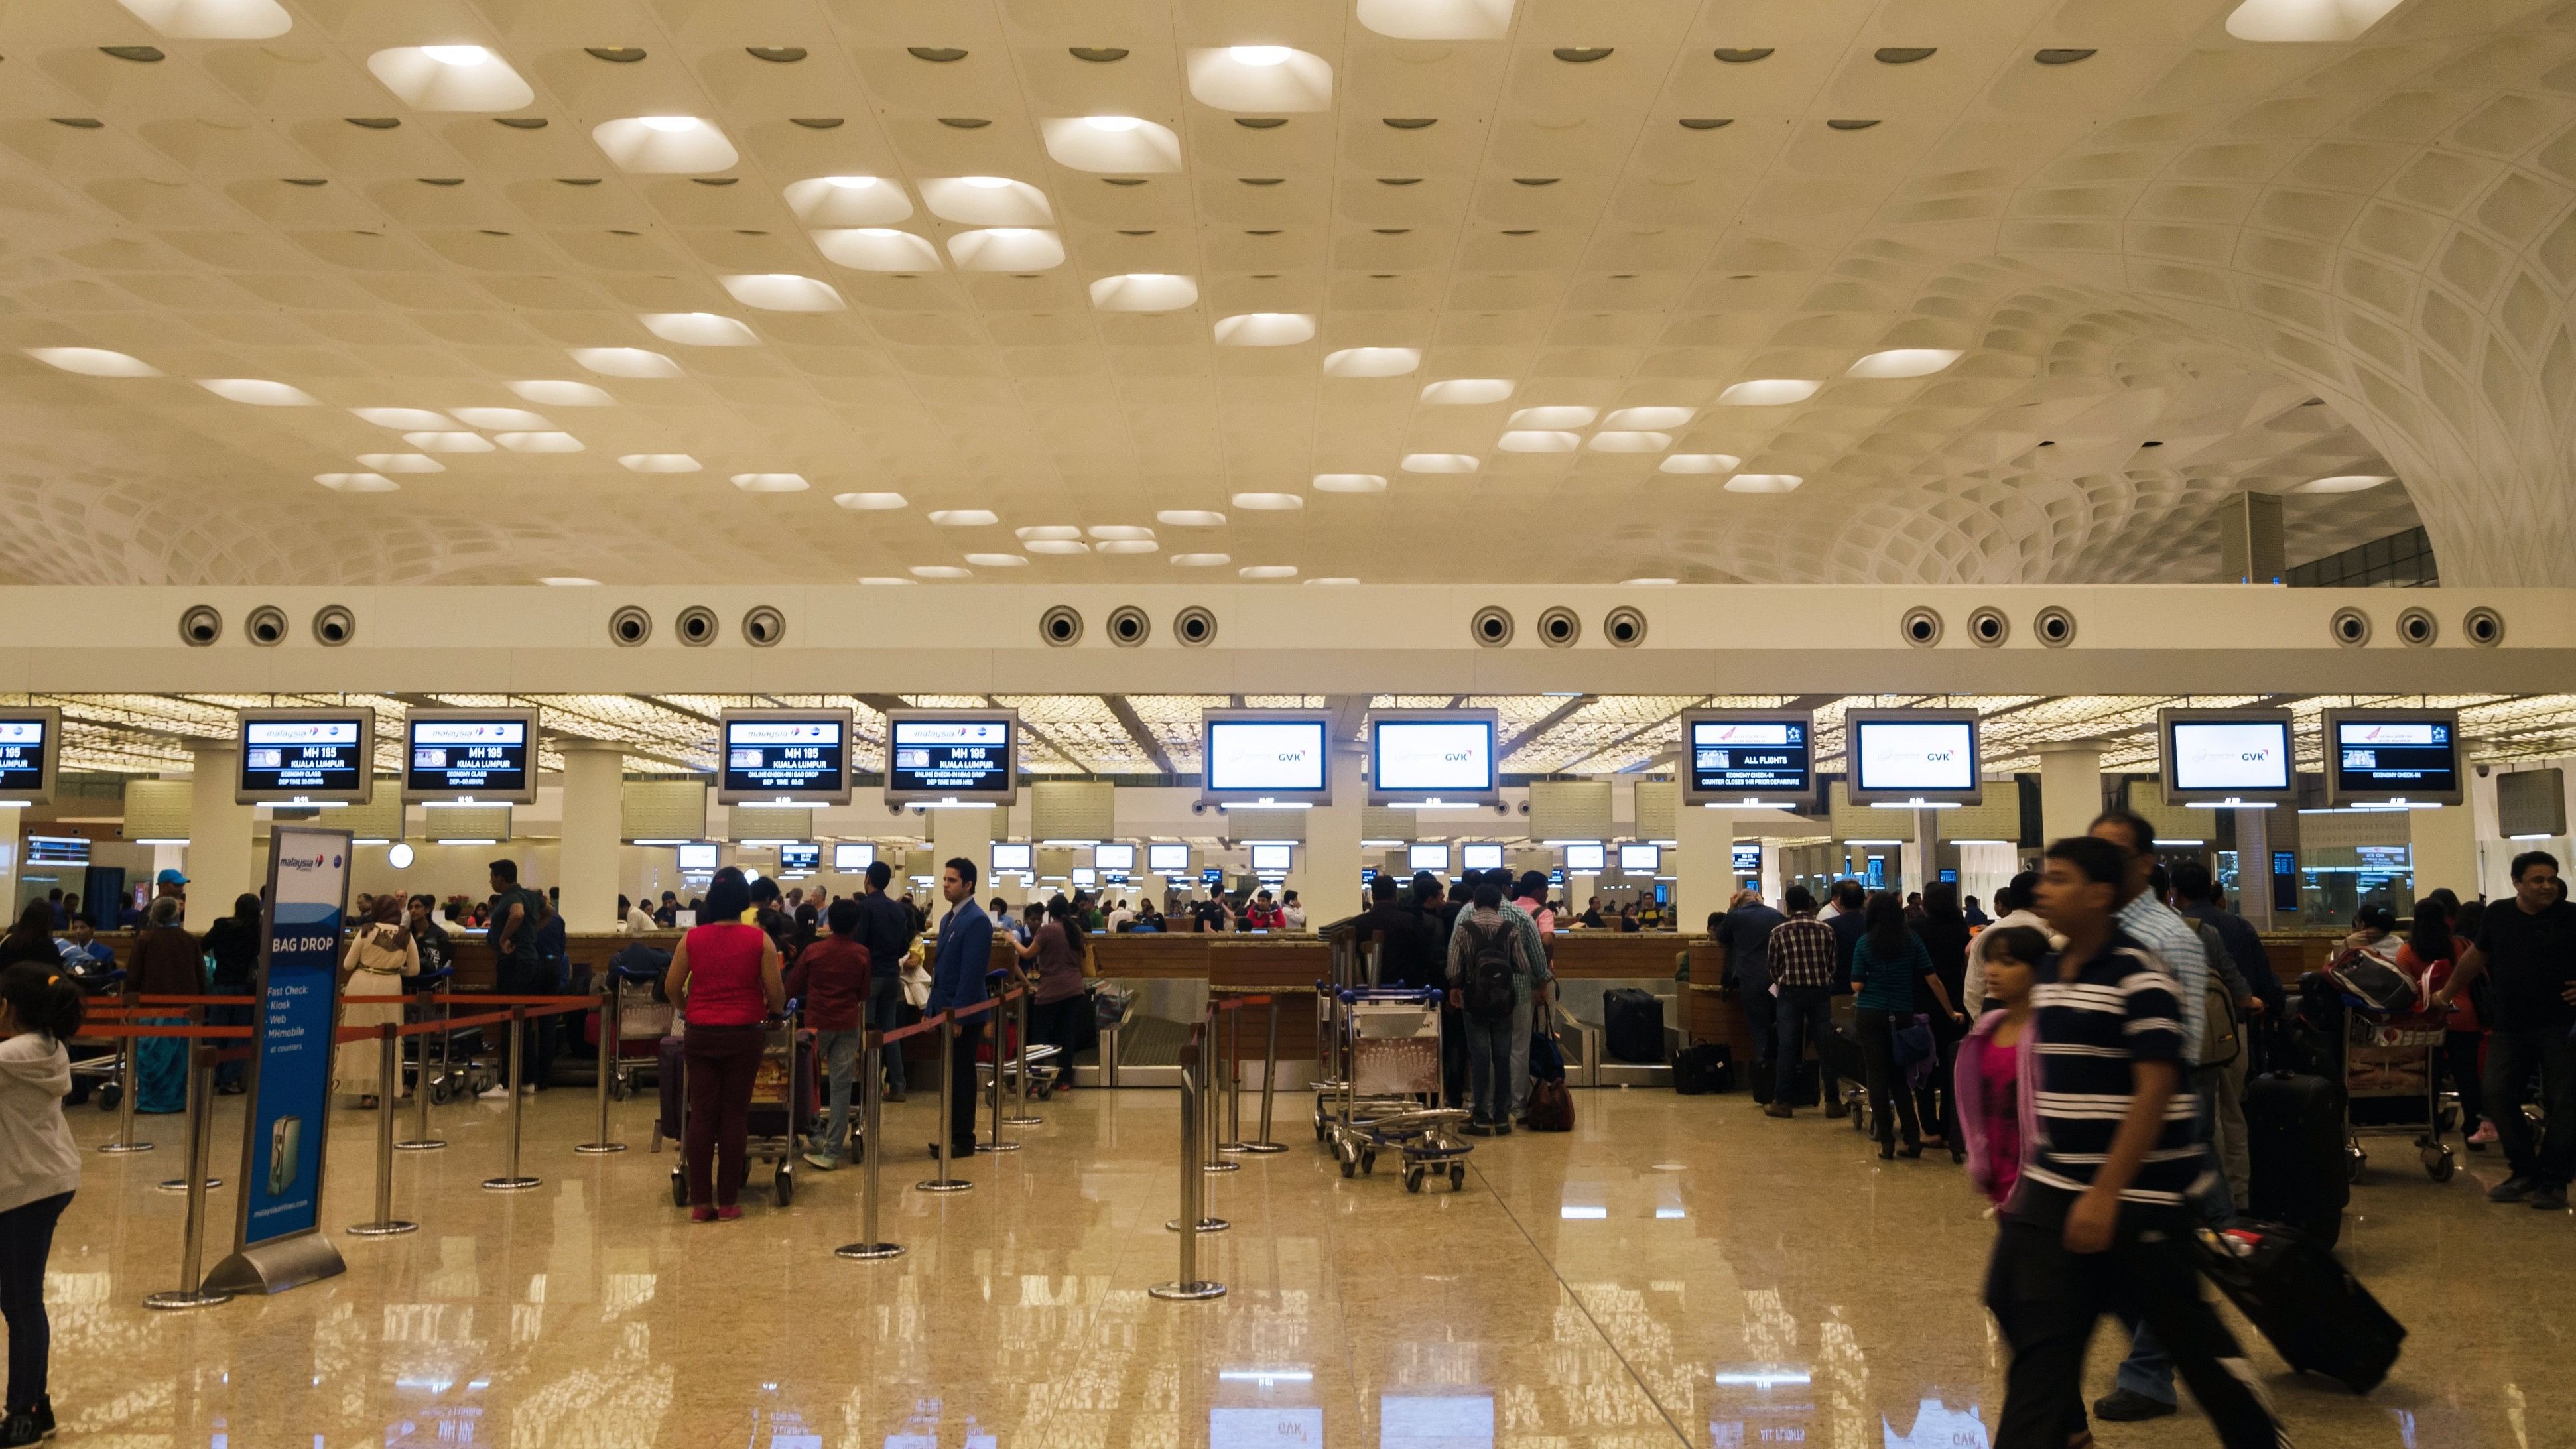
[
  {"x": 642, "y": 1021},
  {"x": 2388, "y": 1056},
  {"x": 449, "y": 1061},
  {"x": 1390, "y": 1099},
  {"x": 782, "y": 1103},
  {"x": 1355, "y": 966},
  {"x": 104, "y": 1062}
]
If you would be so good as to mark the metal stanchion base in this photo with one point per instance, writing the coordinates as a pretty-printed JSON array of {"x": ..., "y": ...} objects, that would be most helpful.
[
  {"x": 391, "y": 1229},
  {"x": 943, "y": 1184},
  {"x": 1024, "y": 1121},
  {"x": 125, "y": 1147},
  {"x": 1224, "y": 1167},
  {"x": 594, "y": 1149},
  {"x": 997, "y": 1147},
  {"x": 1233, "y": 1147},
  {"x": 1206, "y": 1225},
  {"x": 1187, "y": 1292},
  {"x": 510, "y": 1184},
  {"x": 180, "y": 1184},
  {"x": 426, "y": 1144},
  {"x": 869, "y": 1252},
  {"x": 1264, "y": 1149},
  {"x": 183, "y": 1298}
]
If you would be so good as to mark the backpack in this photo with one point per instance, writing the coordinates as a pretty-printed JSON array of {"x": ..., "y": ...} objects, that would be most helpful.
[{"x": 1493, "y": 958}]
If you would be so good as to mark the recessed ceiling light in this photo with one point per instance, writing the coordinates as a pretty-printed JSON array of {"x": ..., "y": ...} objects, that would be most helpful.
[
  {"x": 451, "y": 78},
  {"x": 1700, "y": 463},
  {"x": 1051, "y": 531},
  {"x": 459, "y": 55},
  {"x": 2305, "y": 20},
  {"x": 1764, "y": 483},
  {"x": 1126, "y": 546},
  {"x": 997, "y": 560},
  {"x": 941, "y": 571},
  {"x": 1259, "y": 55},
  {"x": 1372, "y": 361},
  {"x": 771, "y": 482},
  {"x": 1338, "y": 583},
  {"x": 1650, "y": 417},
  {"x": 964, "y": 517},
  {"x": 1439, "y": 463},
  {"x": 258, "y": 391},
  {"x": 490, "y": 419},
  {"x": 1615, "y": 440},
  {"x": 1648, "y": 583},
  {"x": 1349, "y": 483},
  {"x": 1190, "y": 518},
  {"x": 539, "y": 442},
  {"x": 93, "y": 362},
  {"x": 568, "y": 581},
  {"x": 671, "y": 125},
  {"x": 449, "y": 442},
  {"x": 1539, "y": 440},
  {"x": 1769, "y": 392},
  {"x": 1268, "y": 502},
  {"x": 1112, "y": 123},
  {"x": 401, "y": 418},
  {"x": 625, "y": 362},
  {"x": 699, "y": 329},
  {"x": 356, "y": 482},
  {"x": 870, "y": 502},
  {"x": 1200, "y": 560},
  {"x": 1904, "y": 362},
  {"x": 783, "y": 292},
  {"x": 2345, "y": 483},
  {"x": 1264, "y": 329},
  {"x": 1552, "y": 417},
  {"x": 1054, "y": 546},
  {"x": 213, "y": 19},
  {"x": 660, "y": 463},
  {"x": 402, "y": 462},
  {"x": 1144, "y": 292},
  {"x": 1267, "y": 571},
  {"x": 1465, "y": 390},
  {"x": 561, "y": 393},
  {"x": 1123, "y": 532}
]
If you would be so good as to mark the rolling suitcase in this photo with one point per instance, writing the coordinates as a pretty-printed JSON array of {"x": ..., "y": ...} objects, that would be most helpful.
[
  {"x": 2312, "y": 1309},
  {"x": 1632, "y": 1026},
  {"x": 2294, "y": 1136},
  {"x": 1706, "y": 1067}
]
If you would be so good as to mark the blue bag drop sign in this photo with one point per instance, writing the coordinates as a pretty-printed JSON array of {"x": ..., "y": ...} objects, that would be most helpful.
[{"x": 290, "y": 1071}]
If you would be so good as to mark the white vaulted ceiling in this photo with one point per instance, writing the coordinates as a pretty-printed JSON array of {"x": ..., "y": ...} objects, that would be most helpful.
[{"x": 2017, "y": 291}]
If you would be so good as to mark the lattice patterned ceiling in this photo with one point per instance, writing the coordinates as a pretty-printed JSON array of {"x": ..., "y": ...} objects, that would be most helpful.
[{"x": 625, "y": 347}]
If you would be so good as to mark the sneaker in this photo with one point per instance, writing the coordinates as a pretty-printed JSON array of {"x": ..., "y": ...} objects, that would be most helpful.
[
  {"x": 896, "y": 1095},
  {"x": 1502, "y": 1129},
  {"x": 1779, "y": 1109},
  {"x": 2512, "y": 1189},
  {"x": 2550, "y": 1197},
  {"x": 2485, "y": 1134},
  {"x": 1837, "y": 1110},
  {"x": 822, "y": 1163},
  {"x": 497, "y": 1092},
  {"x": 2128, "y": 1406},
  {"x": 728, "y": 1214},
  {"x": 702, "y": 1215},
  {"x": 44, "y": 1414},
  {"x": 1480, "y": 1129},
  {"x": 20, "y": 1428}
]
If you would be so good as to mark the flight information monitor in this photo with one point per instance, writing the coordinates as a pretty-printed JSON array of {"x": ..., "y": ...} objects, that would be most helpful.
[
  {"x": 1641, "y": 859},
  {"x": 1748, "y": 859},
  {"x": 1583, "y": 859},
  {"x": 1167, "y": 859},
  {"x": 1427, "y": 857},
  {"x": 784, "y": 757},
  {"x": 799, "y": 858},
  {"x": 1120, "y": 858},
  {"x": 698, "y": 856},
  {"x": 307, "y": 756},
  {"x": 854, "y": 856},
  {"x": 2388, "y": 756},
  {"x": 1912, "y": 756},
  {"x": 1264, "y": 757},
  {"x": 1749, "y": 757},
  {"x": 1481, "y": 857},
  {"x": 2226, "y": 756},
  {"x": 1273, "y": 859},
  {"x": 30, "y": 744},
  {"x": 952, "y": 756},
  {"x": 1013, "y": 855},
  {"x": 1433, "y": 757},
  {"x": 482, "y": 755}
]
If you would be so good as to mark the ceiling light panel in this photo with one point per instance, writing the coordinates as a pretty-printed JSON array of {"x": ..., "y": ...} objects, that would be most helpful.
[
  {"x": 1700, "y": 463},
  {"x": 1124, "y": 145},
  {"x": 1260, "y": 79},
  {"x": 877, "y": 249},
  {"x": 660, "y": 463},
  {"x": 771, "y": 482},
  {"x": 783, "y": 292},
  {"x": 1372, "y": 361},
  {"x": 1464, "y": 391},
  {"x": 1350, "y": 483},
  {"x": 1265, "y": 329},
  {"x": 93, "y": 362},
  {"x": 1437, "y": 19},
  {"x": 1006, "y": 249},
  {"x": 561, "y": 393},
  {"x": 625, "y": 362},
  {"x": 490, "y": 419},
  {"x": 666, "y": 145},
  {"x": 848, "y": 201},
  {"x": 699, "y": 329},
  {"x": 986, "y": 201},
  {"x": 1144, "y": 292},
  {"x": 1553, "y": 417},
  {"x": 259, "y": 392},
  {"x": 452, "y": 78}
]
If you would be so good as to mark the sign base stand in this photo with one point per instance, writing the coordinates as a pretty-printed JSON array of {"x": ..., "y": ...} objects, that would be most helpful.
[{"x": 277, "y": 1265}]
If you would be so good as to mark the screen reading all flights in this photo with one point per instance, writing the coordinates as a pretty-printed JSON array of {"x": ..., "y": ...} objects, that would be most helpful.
[
  {"x": 1447, "y": 758},
  {"x": 1427, "y": 857},
  {"x": 1750, "y": 758},
  {"x": 2390, "y": 759},
  {"x": 1917, "y": 756},
  {"x": 316, "y": 758},
  {"x": 774, "y": 756},
  {"x": 854, "y": 856},
  {"x": 1272, "y": 859},
  {"x": 26, "y": 755},
  {"x": 1643, "y": 859},
  {"x": 2230, "y": 755},
  {"x": 451, "y": 757},
  {"x": 697, "y": 855},
  {"x": 964, "y": 758},
  {"x": 1265, "y": 756}
]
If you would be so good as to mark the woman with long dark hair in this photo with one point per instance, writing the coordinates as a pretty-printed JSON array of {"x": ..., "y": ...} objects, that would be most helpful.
[
  {"x": 724, "y": 976},
  {"x": 40, "y": 1009},
  {"x": 31, "y": 938},
  {"x": 1887, "y": 961},
  {"x": 1062, "y": 952},
  {"x": 1944, "y": 933},
  {"x": 2431, "y": 952}
]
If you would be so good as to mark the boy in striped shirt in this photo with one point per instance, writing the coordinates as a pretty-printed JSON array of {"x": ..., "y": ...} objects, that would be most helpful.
[{"x": 2097, "y": 1224}]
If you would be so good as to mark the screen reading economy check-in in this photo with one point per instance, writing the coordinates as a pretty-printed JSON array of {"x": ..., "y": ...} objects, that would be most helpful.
[
  {"x": 1902, "y": 756},
  {"x": 482, "y": 755},
  {"x": 968, "y": 756},
  {"x": 2380, "y": 757},
  {"x": 795, "y": 757},
  {"x": 1423, "y": 757},
  {"x": 291, "y": 755},
  {"x": 2213, "y": 756},
  {"x": 1258, "y": 757},
  {"x": 1749, "y": 759}
]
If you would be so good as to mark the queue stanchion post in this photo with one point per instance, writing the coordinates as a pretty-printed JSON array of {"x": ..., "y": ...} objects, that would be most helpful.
[
  {"x": 388, "y": 1076},
  {"x": 1231, "y": 1086},
  {"x": 870, "y": 1247},
  {"x": 1000, "y": 1020},
  {"x": 1210, "y": 1158},
  {"x": 196, "y": 1017},
  {"x": 1263, "y": 1145},
  {"x": 192, "y": 1291},
  {"x": 512, "y": 1180},
  {"x": 1189, "y": 1286},
  {"x": 420, "y": 1140},
  {"x": 947, "y": 1180},
  {"x": 126, "y": 1082},
  {"x": 1021, "y": 1115},
  {"x": 611, "y": 1023}
]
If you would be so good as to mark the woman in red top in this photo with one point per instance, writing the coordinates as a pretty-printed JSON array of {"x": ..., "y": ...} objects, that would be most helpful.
[
  {"x": 2431, "y": 952},
  {"x": 724, "y": 978}
]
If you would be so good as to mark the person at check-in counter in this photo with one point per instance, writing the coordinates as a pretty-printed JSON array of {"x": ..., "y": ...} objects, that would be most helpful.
[
  {"x": 963, "y": 953},
  {"x": 724, "y": 977}
]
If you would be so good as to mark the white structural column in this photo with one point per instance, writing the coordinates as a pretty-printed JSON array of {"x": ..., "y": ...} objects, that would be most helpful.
[
  {"x": 2254, "y": 867},
  {"x": 1704, "y": 876},
  {"x": 968, "y": 833},
  {"x": 220, "y": 859},
  {"x": 2445, "y": 849},
  {"x": 2070, "y": 788},
  {"x": 594, "y": 784},
  {"x": 1325, "y": 871},
  {"x": 1923, "y": 852}
]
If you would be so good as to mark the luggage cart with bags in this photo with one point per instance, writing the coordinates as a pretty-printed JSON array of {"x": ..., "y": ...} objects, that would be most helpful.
[
  {"x": 1390, "y": 1098},
  {"x": 782, "y": 1103},
  {"x": 2363, "y": 1029},
  {"x": 451, "y": 1062},
  {"x": 643, "y": 1017}
]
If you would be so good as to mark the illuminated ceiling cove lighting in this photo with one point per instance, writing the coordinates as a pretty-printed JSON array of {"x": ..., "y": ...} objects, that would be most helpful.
[
  {"x": 1372, "y": 362},
  {"x": 449, "y": 442},
  {"x": 1552, "y": 417},
  {"x": 997, "y": 560},
  {"x": 1267, "y": 571},
  {"x": 402, "y": 462},
  {"x": 986, "y": 201},
  {"x": 783, "y": 292},
  {"x": 1200, "y": 560},
  {"x": 561, "y": 393},
  {"x": 1006, "y": 249},
  {"x": 356, "y": 482},
  {"x": 450, "y": 78},
  {"x": 1650, "y": 418},
  {"x": 1537, "y": 441},
  {"x": 1349, "y": 483},
  {"x": 545, "y": 442},
  {"x": 1439, "y": 463},
  {"x": 941, "y": 571},
  {"x": 1769, "y": 392},
  {"x": 847, "y": 201},
  {"x": 1268, "y": 502},
  {"x": 1904, "y": 362},
  {"x": 660, "y": 463},
  {"x": 1144, "y": 292},
  {"x": 964, "y": 517},
  {"x": 1260, "y": 79},
  {"x": 1126, "y": 145},
  {"x": 1264, "y": 329},
  {"x": 625, "y": 362},
  {"x": 870, "y": 502},
  {"x": 93, "y": 362},
  {"x": 699, "y": 329},
  {"x": 664, "y": 145},
  {"x": 400, "y": 418},
  {"x": 1259, "y": 55},
  {"x": 771, "y": 482},
  {"x": 2305, "y": 20},
  {"x": 1609, "y": 441},
  {"x": 1190, "y": 518},
  {"x": 1437, "y": 19},
  {"x": 1764, "y": 483},
  {"x": 219, "y": 19},
  {"x": 491, "y": 419},
  {"x": 2345, "y": 483},
  {"x": 259, "y": 392},
  {"x": 1465, "y": 390},
  {"x": 877, "y": 249}
]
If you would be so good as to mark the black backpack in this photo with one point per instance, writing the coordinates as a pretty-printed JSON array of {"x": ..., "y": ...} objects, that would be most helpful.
[{"x": 1492, "y": 961}]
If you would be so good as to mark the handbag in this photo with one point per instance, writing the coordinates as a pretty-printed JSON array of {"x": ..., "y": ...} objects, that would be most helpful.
[{"x": 1546, "y": 1058}]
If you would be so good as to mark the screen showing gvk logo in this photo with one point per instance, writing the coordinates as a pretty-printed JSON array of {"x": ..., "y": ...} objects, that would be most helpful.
[{"x": 1263, "y": 755}]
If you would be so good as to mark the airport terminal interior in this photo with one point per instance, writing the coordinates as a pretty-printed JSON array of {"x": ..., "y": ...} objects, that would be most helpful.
[{"x": 1200, "y": 467}]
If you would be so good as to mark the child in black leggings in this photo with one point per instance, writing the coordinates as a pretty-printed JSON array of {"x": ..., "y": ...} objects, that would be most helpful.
[{"x": 39, "y": 1169}]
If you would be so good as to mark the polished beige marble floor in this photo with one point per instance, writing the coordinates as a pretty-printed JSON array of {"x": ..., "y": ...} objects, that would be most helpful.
[{"x": 1676, "y": 1271}]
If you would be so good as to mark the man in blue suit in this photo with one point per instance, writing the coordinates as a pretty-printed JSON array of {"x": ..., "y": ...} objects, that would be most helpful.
[{"x": 965, "y": 954}]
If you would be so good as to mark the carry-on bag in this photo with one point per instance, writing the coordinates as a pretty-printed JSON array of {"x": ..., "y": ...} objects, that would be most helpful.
[
  {"x": 1546, "y": 1058},
  {"x": 1551, "y": 1107},
  {"x": 2314, "y": 1311},
  {"x": 1707, "y": 1067},
  {"x": 2294, "y": 1138},
  {"x": 1632, "y": 1027}
]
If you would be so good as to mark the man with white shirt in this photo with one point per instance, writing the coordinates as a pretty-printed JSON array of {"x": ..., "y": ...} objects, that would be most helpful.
[
  {"x": 2015, "y": 901},
  {"x": 638, "y": 919},
  {"x": 1121, "y": 916}
]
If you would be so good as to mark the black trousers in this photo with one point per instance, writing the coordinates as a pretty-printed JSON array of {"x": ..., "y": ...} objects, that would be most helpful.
[
  {"x": 1762, "y": 1015},
  {"x": 2046, "y": 1300},
  {"x": 1806, "y": 1014},
  {"x": 26, "y": 1238},
  {"x": 537, "y": 1035},
  {"x": 1891, "y": 1101},
  {"x": 961, "y": 1086}
]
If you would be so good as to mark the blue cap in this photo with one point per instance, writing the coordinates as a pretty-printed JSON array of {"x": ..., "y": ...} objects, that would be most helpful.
[{"x": 169, "y": 877}]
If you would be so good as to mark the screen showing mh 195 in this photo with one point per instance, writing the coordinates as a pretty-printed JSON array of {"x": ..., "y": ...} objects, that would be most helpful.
[
  {"x": 467, "y": 756},
  {"x": 950, "y": 756},
  {"x": 785, "y": 757},
  {"x": 303, "y": 756},
  {"x": 22, "y": 756}
]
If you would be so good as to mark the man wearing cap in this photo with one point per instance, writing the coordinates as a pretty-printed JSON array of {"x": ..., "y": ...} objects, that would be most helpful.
[{"x": 170, "y": 883}]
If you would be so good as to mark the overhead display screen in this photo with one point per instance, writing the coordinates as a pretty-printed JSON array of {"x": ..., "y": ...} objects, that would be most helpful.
[
  {"x": 966, "y": 756},
  {"x": 2212, "y": 756},
  {"x": 802, "y": 858},
  {"x": 698, "y": 855},
  {"x": 1586, "y": 859},
  {"x": 312, "y": 756},
  {"x": 1427, "y": 756},
  {"x": 30, "y": 741},
  {"x": 1114, "y": 857},
  {"x": 480, "y": 755},
  {"x": 57, "y": 850},
  {"x": 1167, "y": 859},
  {"x": 1481, "y": 857},
  {"x": 1013, "y": 855},
  {"x": 1899, "y": 757},
  {"x": 2379, "y": 757},
  {"x": 1748, "y": 859},
  {"x": 1749, "y": 758},
  {"x": 795, "y": 757},
  {"x": 1641, "y": 859},
  {"x": 854, "y": 856},
  {"x": 1264, "y": 757},
  {"x": 1272, "y": 859},
  {"x": 1427, "y": 857}
]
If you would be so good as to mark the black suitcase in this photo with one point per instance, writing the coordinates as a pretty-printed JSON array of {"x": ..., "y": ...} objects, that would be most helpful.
[
  {"x": 2312, "y": 1309},
  {"x": 1805, "y": 1090},
  {"x": 2294, "y": 1137},
  {"x": 1707, "y": 1067},
  {"x": 1632, "y": 1025}
]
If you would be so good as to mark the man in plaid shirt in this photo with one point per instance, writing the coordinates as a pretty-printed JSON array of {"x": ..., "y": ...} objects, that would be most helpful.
[{"x": 1803, "y": 952}]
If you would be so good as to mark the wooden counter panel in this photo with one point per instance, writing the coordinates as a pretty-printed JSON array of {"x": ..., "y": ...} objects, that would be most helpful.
[{"x": 1596, "y": 955}]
